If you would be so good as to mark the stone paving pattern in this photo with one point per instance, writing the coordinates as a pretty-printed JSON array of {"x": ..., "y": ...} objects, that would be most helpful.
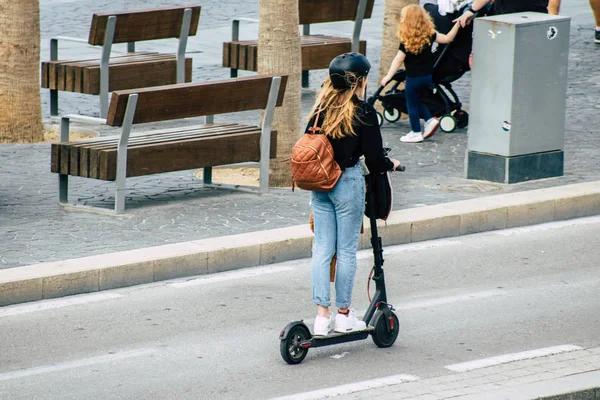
[
  {"x": 499, "y": 377},
  {"x": 170, "y": 208}
]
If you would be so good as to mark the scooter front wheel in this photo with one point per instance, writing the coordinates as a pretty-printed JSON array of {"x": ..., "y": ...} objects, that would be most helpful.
[
  {"x": 291, "y": 349},
  {"x": 383, "y": 337}
]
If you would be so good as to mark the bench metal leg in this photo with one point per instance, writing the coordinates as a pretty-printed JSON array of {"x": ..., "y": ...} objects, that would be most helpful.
[
  {"x": 265, "y": 136},
  {"x": 63, "y": 180},
  {"x": 104, "y": 75},
  {"x": 53, "y": 102},
  {"x": 53, "y": 92},
  {"x": 360, "y": 14},
  {"x": 63, "y": 189},
  {"x": 265, "y": 146},
  {"x": 305, "y": 79},
  {"x": 207, "y": 175},
  {"x": 122, "y": 154},
  {"x": 183, "y": 37}
]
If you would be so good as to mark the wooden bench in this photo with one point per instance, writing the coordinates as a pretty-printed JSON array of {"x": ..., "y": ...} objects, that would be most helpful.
[
  {"x": 129, "y": 70},
  {"x": 317, "y": 50},
  {"x": 113, "y": 158}
]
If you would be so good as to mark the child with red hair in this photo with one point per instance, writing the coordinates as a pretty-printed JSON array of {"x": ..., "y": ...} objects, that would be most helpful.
[{"x": 417, "y": 34}]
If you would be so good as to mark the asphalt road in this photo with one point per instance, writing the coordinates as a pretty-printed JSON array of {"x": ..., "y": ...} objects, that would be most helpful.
[{"x": 216, "y": 337}]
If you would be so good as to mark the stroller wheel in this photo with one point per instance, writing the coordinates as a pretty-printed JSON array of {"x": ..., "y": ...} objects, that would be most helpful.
[
  {"x": 462, "y": 119},
  {"x": 379, "y": 118},
  {"x": 391, "y": 114},
  {"x": 448, "y": 123}
]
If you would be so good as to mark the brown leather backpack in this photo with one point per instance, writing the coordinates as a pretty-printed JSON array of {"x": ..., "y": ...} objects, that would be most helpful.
[{"x": 313, "y": 165}]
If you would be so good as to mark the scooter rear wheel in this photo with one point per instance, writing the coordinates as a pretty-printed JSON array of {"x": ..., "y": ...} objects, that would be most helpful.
[
  {"x": 381, "y": 336},
  {"x": 290, "y": 348}
]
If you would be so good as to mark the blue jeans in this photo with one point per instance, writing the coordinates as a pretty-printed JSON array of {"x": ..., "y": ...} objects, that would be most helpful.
[
  {"x": 413, "y": 90},
  {"x": 338, "y": 216}
]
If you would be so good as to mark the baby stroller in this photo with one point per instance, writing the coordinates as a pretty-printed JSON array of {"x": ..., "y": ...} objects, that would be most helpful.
[{"x": 451, "y": 63}]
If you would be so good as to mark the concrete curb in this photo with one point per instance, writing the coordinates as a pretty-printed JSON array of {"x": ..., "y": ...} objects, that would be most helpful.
[
  {"x": 129, "y": 268},
  {"x": 582, "y": 386}
]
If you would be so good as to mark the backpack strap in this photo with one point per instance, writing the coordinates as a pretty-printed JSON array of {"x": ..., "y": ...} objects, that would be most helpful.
[{"x": 315, "y": 129}]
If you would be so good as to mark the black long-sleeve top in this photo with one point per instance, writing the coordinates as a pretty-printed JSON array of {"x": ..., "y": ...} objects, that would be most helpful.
[{"x": 367, "y": 141}]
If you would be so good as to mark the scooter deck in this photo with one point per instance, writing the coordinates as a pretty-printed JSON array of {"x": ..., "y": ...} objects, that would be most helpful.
[{"x": 335, "y": 337}]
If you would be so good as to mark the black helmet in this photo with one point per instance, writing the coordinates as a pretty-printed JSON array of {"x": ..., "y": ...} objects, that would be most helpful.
[{"x": 349, "y": 62}]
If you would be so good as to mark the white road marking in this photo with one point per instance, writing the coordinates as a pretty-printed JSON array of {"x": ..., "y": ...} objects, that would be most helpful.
[
  {"x": 338, "y": 356},
  {"x": 58, "y": 303},
  {"x": 5, "y": 376},
  {"x": 449, "y": 300},
  {"x": 548, "y": 226},
  {"x": 231, "y": 276},
  {"x": 430, "y": 244},
  {"x": 507, "y": 358},
  {"x": 351, "y": 388}
]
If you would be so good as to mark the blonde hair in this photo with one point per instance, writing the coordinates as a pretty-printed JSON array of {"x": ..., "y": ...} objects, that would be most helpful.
[
  {"x": 338, "y": 103},
  {"x": 415, "y": 28}
]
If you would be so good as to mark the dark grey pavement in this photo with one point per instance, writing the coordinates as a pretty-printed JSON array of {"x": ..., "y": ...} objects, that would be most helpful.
[
  {"x": 469, "y": 299},
  {"x": 173, "y": 207}
]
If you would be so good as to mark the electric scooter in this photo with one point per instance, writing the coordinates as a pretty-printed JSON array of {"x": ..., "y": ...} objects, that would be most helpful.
[{"x": 380, "y": 319}]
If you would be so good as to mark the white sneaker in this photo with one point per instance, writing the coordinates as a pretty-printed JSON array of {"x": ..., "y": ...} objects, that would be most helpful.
[
  {"x": 322, "y": 325},
  {"x": 412, "y": 137},
  {"x": 431, "y": 127},
  {"x": 348, "y": 323}
]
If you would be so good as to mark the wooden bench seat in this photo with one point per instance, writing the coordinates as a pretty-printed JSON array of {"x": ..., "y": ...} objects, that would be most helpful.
[
  {"x": 317, "y": 50},
  {"x": 83, "y": 76},
  {"x": 109, "y": 72},
  {"x": 114, "y": 158},
  {"x": 177, "y": 149}
]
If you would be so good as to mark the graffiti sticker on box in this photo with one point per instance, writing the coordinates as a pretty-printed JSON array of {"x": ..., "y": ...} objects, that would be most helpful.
[
  {"x": 552, "y": 33},
  {"x": 506, "y": 126}
]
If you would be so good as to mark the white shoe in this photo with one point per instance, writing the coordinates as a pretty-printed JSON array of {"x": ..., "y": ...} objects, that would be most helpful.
[
  {"x": 431, "y": 127},
  {"x": 412, "y": 137},
  {"x": 322, "y": 326},
  {"x": 348, "y": 323}
]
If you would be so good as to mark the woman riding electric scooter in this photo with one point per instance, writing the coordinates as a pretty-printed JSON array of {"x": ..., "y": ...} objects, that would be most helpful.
[{"x": 352, "y": 127}]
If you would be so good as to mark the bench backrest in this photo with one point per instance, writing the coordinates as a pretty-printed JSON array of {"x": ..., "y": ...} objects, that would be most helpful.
[
  {"x": 140, "y": 25},
  {"x": 318, "y": 11},
  {"x": 163, "y": 103}
]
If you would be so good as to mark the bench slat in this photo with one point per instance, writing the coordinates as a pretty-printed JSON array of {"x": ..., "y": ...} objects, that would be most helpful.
[
  {"x": 164, "y": 103},
  {"x": 50, "y": 69},
  {"x": 80, "y": 152},
  {"x": 319, "y": 56},
  {"x": 319, "y": 11},
  {"x": 140, "y": 25},
  {"x": 191, "y": 154},
  {"x": 317, "y": 52},
  {"x": 123, "y": 76}
]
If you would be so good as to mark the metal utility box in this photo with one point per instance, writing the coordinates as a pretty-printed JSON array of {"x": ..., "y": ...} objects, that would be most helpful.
[{"x": 518, "y": 97}]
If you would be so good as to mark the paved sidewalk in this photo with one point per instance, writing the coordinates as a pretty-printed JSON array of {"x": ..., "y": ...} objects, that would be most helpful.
[
  {"x": 550, "y": 377},
  {"x": 172, "y": 208}
]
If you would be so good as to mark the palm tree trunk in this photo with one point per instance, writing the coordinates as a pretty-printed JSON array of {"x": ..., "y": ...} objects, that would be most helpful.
[
  {"x": 20, "y": 103},
  {"x": 389, "y": 43},
  {"x": 279, "y": 53}
]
